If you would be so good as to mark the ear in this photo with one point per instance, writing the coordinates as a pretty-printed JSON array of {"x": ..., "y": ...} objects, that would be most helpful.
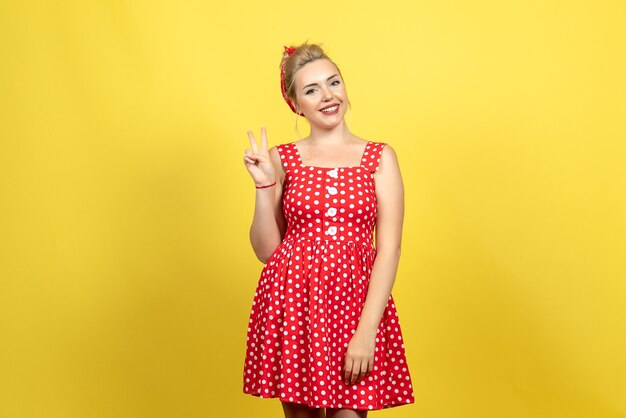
[{"x": 295, "y": 104}]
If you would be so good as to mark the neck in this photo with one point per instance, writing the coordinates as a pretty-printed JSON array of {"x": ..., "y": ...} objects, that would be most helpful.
[{"x": 334, "y": 135}]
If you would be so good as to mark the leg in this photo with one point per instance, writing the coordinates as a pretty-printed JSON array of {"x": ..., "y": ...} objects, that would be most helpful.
[
  {"x": 345, "y": 413},
  {"x": 296, "y": 410}
]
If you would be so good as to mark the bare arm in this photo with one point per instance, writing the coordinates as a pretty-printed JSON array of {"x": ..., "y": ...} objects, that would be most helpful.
[
  {"x": 359, "y": 359},
  {"x": 390, "y": 217},
  {"x": 268, "y": 224}
]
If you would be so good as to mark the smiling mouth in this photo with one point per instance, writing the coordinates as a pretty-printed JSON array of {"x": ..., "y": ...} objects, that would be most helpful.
[{"x": 331, "y": 109}]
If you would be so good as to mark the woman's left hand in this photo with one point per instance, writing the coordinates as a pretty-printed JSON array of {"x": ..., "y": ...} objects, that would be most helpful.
[{"x": 359, "y": 359}]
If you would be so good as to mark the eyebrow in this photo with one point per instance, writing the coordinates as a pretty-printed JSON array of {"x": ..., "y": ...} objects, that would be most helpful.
[{"x": 315, "y": 84}]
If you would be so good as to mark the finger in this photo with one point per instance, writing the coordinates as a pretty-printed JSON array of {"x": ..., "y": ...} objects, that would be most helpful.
[
  {"x": 364, "y": 367},
  {"x": 252, "y": 141},
  {"x": 263, "y": 139},
  {"x": 357, "y": 371},
  {"x": 347, "y": 371},
  {"x": 370, "y": 367},
  {"x": 356, "y": 367}
]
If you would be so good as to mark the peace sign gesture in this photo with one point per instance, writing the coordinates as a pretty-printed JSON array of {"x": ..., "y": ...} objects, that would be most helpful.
[{"x": 258, "y": 161}]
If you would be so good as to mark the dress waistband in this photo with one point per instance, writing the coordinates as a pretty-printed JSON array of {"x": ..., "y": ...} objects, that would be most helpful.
[{"x": 295, "y": 238}]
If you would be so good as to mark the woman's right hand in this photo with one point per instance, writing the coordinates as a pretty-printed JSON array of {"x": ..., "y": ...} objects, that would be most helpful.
[{"x": 258, "y": 161}]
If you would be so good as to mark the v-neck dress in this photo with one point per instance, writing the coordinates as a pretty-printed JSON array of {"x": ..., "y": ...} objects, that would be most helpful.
[{"x": 309, "y": 297}]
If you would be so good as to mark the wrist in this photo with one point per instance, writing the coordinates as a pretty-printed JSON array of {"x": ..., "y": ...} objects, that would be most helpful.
[
  {"x": 367, "y": 331},
  {"x": 265, "y": 185}
]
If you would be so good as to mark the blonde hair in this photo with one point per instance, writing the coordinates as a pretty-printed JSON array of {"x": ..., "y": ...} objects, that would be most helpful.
[{"x": 303, "y": 54}]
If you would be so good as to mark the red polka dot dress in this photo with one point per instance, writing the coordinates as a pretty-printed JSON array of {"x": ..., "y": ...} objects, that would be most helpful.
[{"x": 311, "y": 291}]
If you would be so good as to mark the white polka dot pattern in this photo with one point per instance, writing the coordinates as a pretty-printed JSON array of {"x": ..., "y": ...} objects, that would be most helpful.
[{"x": 311, "y": 291}]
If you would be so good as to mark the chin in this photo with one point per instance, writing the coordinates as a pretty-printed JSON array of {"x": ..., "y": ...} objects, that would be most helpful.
[{"x": 328, "y": 122}]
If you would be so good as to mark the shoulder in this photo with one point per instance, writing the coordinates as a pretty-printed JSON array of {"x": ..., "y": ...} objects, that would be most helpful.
[
  {"x": 388, "y": 152},
  {"x": 279, "y": 155},
  {"x": 388, "y": 157},
  {"x": 279, "y": 151}
]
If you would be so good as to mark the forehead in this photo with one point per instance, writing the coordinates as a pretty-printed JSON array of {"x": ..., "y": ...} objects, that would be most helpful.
[{"x": 315, "y": 72}]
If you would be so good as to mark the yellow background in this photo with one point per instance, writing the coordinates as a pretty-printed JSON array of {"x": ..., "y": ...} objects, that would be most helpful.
[{"x": 126, "y": 274}]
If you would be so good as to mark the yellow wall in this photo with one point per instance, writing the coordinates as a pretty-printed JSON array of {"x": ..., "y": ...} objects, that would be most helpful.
[{"x": 126, "y": 274}]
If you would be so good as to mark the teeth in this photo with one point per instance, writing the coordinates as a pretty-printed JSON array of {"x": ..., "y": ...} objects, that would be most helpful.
[{"x": 330, "y": 109}]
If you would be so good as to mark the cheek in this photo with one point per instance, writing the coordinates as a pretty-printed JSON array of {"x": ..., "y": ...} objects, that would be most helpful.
[
  {"x": 308, "y": 101},
  {"x": 342, "y": 92}
]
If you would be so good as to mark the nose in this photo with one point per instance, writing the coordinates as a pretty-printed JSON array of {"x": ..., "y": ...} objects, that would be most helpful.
[{"x": 326, "y": 95}]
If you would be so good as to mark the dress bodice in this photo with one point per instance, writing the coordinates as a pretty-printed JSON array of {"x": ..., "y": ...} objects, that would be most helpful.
[{"x": 334, "y": 204}]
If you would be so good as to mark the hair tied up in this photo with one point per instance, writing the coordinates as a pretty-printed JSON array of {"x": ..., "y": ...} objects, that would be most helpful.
[
  {"x": 293, "y": 59},
  {"x": 283, "y": 87}
]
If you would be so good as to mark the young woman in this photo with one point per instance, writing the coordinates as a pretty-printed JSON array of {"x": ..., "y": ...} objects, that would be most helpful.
[{"x": 324, "y": 335}]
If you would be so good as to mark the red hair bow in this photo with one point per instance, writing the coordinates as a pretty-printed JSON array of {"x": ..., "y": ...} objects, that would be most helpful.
[{"x": 283, "y": 88}]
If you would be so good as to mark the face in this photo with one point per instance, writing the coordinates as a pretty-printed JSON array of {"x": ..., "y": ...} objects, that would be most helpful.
[{"x": 318, "y": 86}]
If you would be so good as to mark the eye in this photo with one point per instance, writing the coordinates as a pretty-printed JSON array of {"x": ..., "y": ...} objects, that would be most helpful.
[
  {"x": 335, "y": 81},
  {"x": 309, "y": 91}
]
